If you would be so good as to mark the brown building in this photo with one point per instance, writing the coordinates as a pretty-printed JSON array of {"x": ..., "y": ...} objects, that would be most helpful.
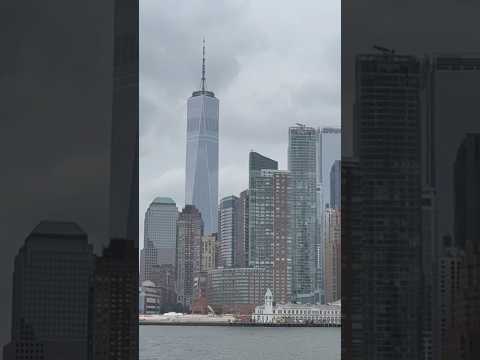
[
  {"x": 163, "y": 276},
  {"x": 208, "y": 252},
  {"x": 332, "y": 259},
  {"x": 189, "y": 237},
  {"x": 282, "y": 261}
]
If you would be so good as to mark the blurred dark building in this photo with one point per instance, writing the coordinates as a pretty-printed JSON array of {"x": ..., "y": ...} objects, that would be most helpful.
[
  {"x": 387, "y": 134},
  {"x": 353, "y": 275},
  {"x": 115, "y": 305},
  {"x": 51, "y": 294},
  {"x": 465, "y": 310}
]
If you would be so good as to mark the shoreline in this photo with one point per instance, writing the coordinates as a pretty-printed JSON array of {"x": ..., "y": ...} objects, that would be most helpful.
[{"x": 233, "y": 324}]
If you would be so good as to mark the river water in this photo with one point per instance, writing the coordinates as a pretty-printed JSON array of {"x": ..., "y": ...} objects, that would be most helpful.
[{"x": 238, "y": 343}]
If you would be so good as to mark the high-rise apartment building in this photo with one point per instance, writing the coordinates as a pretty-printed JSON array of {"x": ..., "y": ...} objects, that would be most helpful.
[
  {"x": 388, "y": 104},
  {"x": 228, "y": 230},
  {"x": 260, "y": 210},
  {"x": 328, "y": 151},
  {"x": 282, "y": 237},
  {"x": 189, "y": 237},
  {"x": 201, "y": 181},
  {"x": 160, "y": 229},
  {"x": 241, "y": 249},
  {"x": 332, "y": 261},
  {"x": 302, "y": 165}
]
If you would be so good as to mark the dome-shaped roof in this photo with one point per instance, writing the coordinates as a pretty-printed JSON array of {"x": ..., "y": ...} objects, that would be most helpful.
[
  {"x": 163, "y": 201},
  {"x": 148, "y": 283}
]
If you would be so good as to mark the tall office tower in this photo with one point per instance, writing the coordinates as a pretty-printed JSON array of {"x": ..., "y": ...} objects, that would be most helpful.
[
  {"x": 328, "y": 151},
  {"x": 228, "y": 230},
  {"x": 335, "y": 185},
  {"x": 261, "y": 219},
  {"x": 52, "y": 276},
  {"x": 208, "y": 252},
  {"x": 148, "y": 259},
  {"x": 241, "y": 249},
  {"x": 465, "y": 310},
  {"x": 302, "y": 167},
  {"x": 161, "y": 227},
  {"x": 332, "y": 260},
  {"x": 115, "y": 290},
  {"x": 201, "y": 182},
  {"x": 260, "y": 226},
  {"x": 387, "y": 103},
  {"x": 282, "y": 237},
  {"x": 189, "y": 237}
]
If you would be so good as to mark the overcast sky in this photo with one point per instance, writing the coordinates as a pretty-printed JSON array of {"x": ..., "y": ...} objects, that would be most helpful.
[{"x": 270, "y": 63}]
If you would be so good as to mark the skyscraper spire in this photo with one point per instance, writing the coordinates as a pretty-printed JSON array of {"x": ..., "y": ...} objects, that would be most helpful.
[{"x": 203, "y": 66}]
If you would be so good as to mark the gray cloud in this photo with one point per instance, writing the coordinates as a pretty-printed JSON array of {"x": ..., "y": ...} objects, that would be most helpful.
[{"x": 271, "y": 64}]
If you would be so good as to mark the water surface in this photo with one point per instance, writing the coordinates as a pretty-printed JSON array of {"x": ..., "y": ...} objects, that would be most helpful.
[{"x": 238, "y": 343}]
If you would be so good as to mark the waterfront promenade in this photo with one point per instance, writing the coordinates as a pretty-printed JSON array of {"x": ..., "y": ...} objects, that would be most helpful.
[{"x": 172, "y": 319}]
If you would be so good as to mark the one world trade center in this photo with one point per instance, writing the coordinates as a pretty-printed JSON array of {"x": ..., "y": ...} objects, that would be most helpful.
[{"x": 201, "y": 182}]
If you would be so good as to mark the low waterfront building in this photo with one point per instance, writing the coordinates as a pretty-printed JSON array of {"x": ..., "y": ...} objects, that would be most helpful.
[
  {"x": 237, "y": 290},
  {"x": 268, "y": 313},
  {"x": 149, "y": 300}
]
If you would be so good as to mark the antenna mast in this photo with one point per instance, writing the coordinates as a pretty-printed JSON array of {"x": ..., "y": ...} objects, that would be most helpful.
[{"x": 203, "y": 66}]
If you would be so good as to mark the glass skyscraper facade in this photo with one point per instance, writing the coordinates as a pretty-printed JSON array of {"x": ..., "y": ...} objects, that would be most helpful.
[
  {"x": 228, "y": 230},
  {"x": 161, "y": 229},
  {"x": 201, "y": 171},
  {"x": 260, "y": 209},
  {"x": 328, "y": 151},
  {"x": 302, "y": 167}
]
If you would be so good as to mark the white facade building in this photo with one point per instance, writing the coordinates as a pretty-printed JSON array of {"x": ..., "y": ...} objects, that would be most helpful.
[{"x": 328, "y": 314}]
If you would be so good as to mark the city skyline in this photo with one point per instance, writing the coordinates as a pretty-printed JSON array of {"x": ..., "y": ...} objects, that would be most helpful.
[{"x": 255, "y": 72}]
